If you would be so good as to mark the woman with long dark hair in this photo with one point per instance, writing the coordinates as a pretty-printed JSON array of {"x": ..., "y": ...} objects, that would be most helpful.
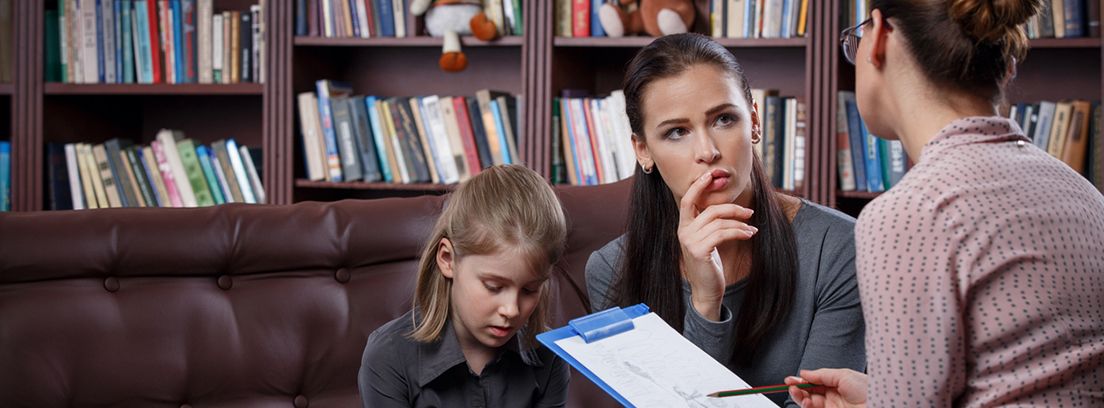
[{"x": 763, "y": 282}]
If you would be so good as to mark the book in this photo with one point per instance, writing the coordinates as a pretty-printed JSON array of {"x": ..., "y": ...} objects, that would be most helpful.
[
  {"x": 168, "y": 139},
  {"x": 348, "y": 151},
  {"x": 254, "y": 177},
  {"x": 167, "y": 174},
  {"x": 106, "y": 176},
  {"x": 365, "y": 140},
  {"x": 75, "y": 191},
  {"x": 238, "y": 164},
  {"x": 223, "y": 156},
  {"x": 186, "y": 148},
  {"x": 383, "y": 151},
  {"x": 57, "y": 176},
  {"x": 326, "y": 90},
  {"x": 310, "y": 130},
  {"x": 640, "y": 360},
  {"x": 5, "y": 176},
  {"x": 153, "y": 173}
]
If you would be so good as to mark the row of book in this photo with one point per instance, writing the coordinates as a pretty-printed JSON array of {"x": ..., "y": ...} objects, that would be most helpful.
[
  {"x": 421, "y": 139},
  {"x": 1064, "y": 129},
  {"x": 782, "y": 150},
  {"x": 1056, "y": 18},
  {"x": 385, "y": 18},
  {"x": 173, "y": 171},
  {"x": 865, "y": 162},
  {"x": 5, "y": 175},
  {"x": 153, "y": 42},
  {"x": 1066, "y": 19},
  {"x": 758, "y": 18},
  {"x": 592, "y": 139}
]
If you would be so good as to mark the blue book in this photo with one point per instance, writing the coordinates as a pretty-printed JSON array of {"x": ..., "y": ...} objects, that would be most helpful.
[
  {"x": 355, "y": 18},
  {"x": 377, "y": 135},
  {"x": 117, "y": 22},
  {"x": 301, "y": 17},
  {"x": 855, "y": 136},
  {"x": 327, "y": 89},
  {"x": 873, "y": 160},
  {"x": 898, "y": 162},
  {"x": 385, "y": 9},
  {"x": 203, "y": 153},
  {"x": 127, "y": 42},
  {"x": 595, "y": 23},
  {"x": 501, "y": 126},
  {"x": 178, "y": 43},
  {"x": 5, "y": 176},
  {"x": 638, "y": 359},
  {"x": 100, "y": 67},
  {"x": 1075, "y": 18},
  {"x": 144, "y": 60},
  {"x": 786, "y": 22}
]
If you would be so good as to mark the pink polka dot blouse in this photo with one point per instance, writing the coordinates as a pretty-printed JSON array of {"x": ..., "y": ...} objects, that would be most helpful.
[{"x": 982, "y": 277}]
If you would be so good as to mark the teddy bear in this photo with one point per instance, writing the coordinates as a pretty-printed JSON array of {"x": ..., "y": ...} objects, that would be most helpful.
[
  {"x": 655, "y": 17},
  {"x": 450, "y": 19}
]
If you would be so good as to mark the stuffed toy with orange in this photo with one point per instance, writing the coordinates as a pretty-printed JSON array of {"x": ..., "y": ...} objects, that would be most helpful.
[
  {"x": 655, "y": 17},
  {"x": 450, "y": 19}
]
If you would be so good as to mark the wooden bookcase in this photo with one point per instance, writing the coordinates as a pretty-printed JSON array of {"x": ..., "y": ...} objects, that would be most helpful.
[
  {"x": 536, "y": 66},
  {"x": 1055, "y": 69}
]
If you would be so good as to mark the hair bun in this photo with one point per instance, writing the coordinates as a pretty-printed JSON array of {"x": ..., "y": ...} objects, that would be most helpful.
[{"x": 992, "y": 20}]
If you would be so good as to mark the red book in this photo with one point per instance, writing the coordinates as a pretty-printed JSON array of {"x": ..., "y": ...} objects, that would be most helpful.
[
  {"x": 466, "y": 135},
  {"x": 155, "y": 40},
  {"x": 580, "y": 18},
  {"x": 591, "y": 123}
]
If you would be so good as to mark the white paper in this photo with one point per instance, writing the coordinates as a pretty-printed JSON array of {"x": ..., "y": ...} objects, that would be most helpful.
[{"x": 654, "y": 366}]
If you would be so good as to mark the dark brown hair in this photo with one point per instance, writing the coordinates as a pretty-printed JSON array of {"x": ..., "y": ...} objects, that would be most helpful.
[
  {"x": 650, "y": 272},
  {"x": 966, "y": 44}
]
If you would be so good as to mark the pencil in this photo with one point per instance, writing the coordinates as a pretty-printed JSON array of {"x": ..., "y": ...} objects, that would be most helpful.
[{"x": 766, "y": 389}]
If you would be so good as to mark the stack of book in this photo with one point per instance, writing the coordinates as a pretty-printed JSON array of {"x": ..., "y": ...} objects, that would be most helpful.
[
  {"x": 421, "y": 139},
  {"x": 865, "y": 162},
  {"x": 172, "y": 171},
  {"x": 1064, "y": 129},
  {"x": 153, "y": 42},
  {"x": 758, "y": 18},
  {"x": 385, "y": 18},
  {"x": 5, "y": 175}
]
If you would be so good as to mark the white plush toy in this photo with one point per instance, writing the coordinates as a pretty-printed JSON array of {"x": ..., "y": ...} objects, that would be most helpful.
[{"x": 450, "y": 19}]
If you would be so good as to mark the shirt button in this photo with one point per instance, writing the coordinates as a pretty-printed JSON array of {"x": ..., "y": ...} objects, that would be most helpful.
[{"x": 1020, "y": 143}]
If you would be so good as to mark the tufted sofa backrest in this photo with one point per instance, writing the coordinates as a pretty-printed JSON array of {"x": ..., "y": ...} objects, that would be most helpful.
[{"x": 233, "y": 305}]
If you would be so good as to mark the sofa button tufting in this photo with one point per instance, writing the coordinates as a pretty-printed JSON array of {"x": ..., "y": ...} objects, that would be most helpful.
[
  {"x": 342, "y": 275},
  {"x": 301, "y": 401},
  {"x": 185, "y": 405},
  {"x": 225, "y": 282},
  {"x": 111, "y": 283}
]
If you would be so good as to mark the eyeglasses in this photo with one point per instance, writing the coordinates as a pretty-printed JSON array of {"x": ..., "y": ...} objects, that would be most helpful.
[{"x": 849, "y": 40}]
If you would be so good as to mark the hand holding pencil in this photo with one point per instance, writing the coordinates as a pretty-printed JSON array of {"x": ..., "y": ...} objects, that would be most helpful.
[{"x": 836, "y": 388}]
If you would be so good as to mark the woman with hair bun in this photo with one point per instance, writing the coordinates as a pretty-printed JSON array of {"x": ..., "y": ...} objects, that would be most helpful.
[{"x": 981, "y": 273}]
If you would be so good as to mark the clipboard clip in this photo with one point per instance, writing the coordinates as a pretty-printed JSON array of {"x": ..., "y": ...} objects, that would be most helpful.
[{"x": 597, "y": 326}]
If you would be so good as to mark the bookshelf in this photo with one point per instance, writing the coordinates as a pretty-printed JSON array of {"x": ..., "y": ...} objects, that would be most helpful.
[
  {"x": 1055, "y": 69},
  {"x": 537, "y": 66}
]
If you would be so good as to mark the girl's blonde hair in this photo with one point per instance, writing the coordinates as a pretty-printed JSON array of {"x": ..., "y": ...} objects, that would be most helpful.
[{"x": 503, "y": 208}]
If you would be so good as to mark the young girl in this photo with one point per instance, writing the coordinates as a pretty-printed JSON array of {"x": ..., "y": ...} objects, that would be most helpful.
[
  {"x": 479, "y": 303},
  {"x": 984, "y": 266}
]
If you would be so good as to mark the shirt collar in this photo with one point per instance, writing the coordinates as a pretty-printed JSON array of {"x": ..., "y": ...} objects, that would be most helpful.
[
  {"x": 974, "y": 130},
  {"x": 439, "y": 356}
]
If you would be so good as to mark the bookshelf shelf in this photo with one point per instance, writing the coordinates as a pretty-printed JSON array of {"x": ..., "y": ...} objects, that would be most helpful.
[
  {"x": 356, "y": 185},
  {"x": 54, "y": 88},
  {"x": 6, "y": 89},
  {"x": 637, "y": 42},
  {"x": 1066, "y": 43},
  {"x": 468, "y": 41}
]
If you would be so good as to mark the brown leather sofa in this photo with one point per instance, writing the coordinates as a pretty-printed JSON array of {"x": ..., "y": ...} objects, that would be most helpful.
[{"x": 236, "y": 305}]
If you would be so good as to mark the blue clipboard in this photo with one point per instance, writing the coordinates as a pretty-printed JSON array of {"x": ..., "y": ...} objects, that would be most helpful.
[{"x": 594, "y": 327}]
